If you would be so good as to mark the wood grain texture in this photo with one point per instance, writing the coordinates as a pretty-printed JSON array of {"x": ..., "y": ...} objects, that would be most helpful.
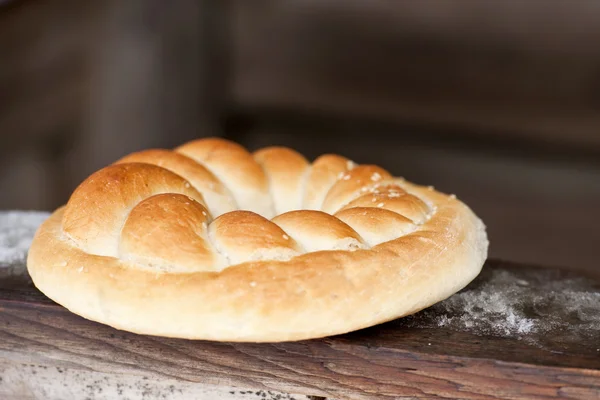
[
  {"x": 400, "y": 359},
  {"x": 31, "y": 382}
]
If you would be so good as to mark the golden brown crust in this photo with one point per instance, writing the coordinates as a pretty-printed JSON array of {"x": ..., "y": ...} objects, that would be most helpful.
[
  {"x": 286, "y": 171},
  {"x": 392, "y": 199},
  {"x": 138, "y": 249},
  {"x": 216, "y": 195},
  {"x": 246, "y": 236},
  {"x": 316, "y": 230},
  {"x": 99, "y": 206},
  {"x": 351, "y": 184},
  {"x": 236, "y": 168},
  {"x": 168, "y": 232},
  {"x": 324, "y": 173},
  {"x": 376, "y": 225}
]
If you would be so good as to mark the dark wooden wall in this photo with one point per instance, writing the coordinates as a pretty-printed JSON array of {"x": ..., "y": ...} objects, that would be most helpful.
[
  {"x": 498, "y": 102},
  {"x": 507, "y": 68},
  {"x": 83, "y": 83}
]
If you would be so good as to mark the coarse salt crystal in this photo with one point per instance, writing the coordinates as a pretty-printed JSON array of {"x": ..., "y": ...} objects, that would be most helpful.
[
  {"x": 286, "y": 237},
  {"x": 376, "y": 177},
  {"x": 380, "y": 205}
]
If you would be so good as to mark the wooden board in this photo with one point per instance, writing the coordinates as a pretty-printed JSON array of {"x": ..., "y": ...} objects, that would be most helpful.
[{"x": 461, "y": 348}]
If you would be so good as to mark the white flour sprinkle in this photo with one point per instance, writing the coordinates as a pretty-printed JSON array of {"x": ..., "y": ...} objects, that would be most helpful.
[
  {"x": 507, "y": 304},
  {"x": 16, "y": 233}
]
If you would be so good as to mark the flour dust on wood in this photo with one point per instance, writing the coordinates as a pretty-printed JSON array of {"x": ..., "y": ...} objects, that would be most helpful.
[
  {"x": 523, "y": 305},
  {"x": 16, "y": 233}
]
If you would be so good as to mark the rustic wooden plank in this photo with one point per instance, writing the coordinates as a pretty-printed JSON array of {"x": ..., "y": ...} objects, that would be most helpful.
[
  {"x": 442, "y": 352},
  {"x": 27, "y": 381}
]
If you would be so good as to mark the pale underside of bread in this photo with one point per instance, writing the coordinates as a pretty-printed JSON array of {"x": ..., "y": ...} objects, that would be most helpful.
[{"x": 138, "y": 247}]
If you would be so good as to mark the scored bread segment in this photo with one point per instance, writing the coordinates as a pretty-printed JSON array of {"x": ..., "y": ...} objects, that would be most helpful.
[
  {"x": 237, "y": 170},
  {"x": 169, "y": 232},
  {"x": 393, "y": 198},
  {"x": 376, "y": 225},
  {"x": 242, "y": 236},
  {"x": 286, "y": 171},
  {"x": 325, "y": 171},
  {"x": 316, "y": 231},
  {"x": 218, "y": 198},
  {"x": 351, "y": 184},
  {"x": 98, "y": 208}
]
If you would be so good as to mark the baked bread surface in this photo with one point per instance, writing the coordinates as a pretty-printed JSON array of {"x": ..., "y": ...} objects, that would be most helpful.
[{"x": 209, "y": 241}]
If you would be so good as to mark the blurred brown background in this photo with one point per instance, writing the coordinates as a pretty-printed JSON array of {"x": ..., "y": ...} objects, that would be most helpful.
[{"x": 498, "y": 102}]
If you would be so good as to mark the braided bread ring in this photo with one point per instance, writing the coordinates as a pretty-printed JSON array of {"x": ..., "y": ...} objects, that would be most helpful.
[{"x": 212, "y": 242}]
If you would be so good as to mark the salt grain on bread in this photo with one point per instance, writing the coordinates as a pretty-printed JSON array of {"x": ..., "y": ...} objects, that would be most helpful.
[{"x": 212, "y": 242}]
